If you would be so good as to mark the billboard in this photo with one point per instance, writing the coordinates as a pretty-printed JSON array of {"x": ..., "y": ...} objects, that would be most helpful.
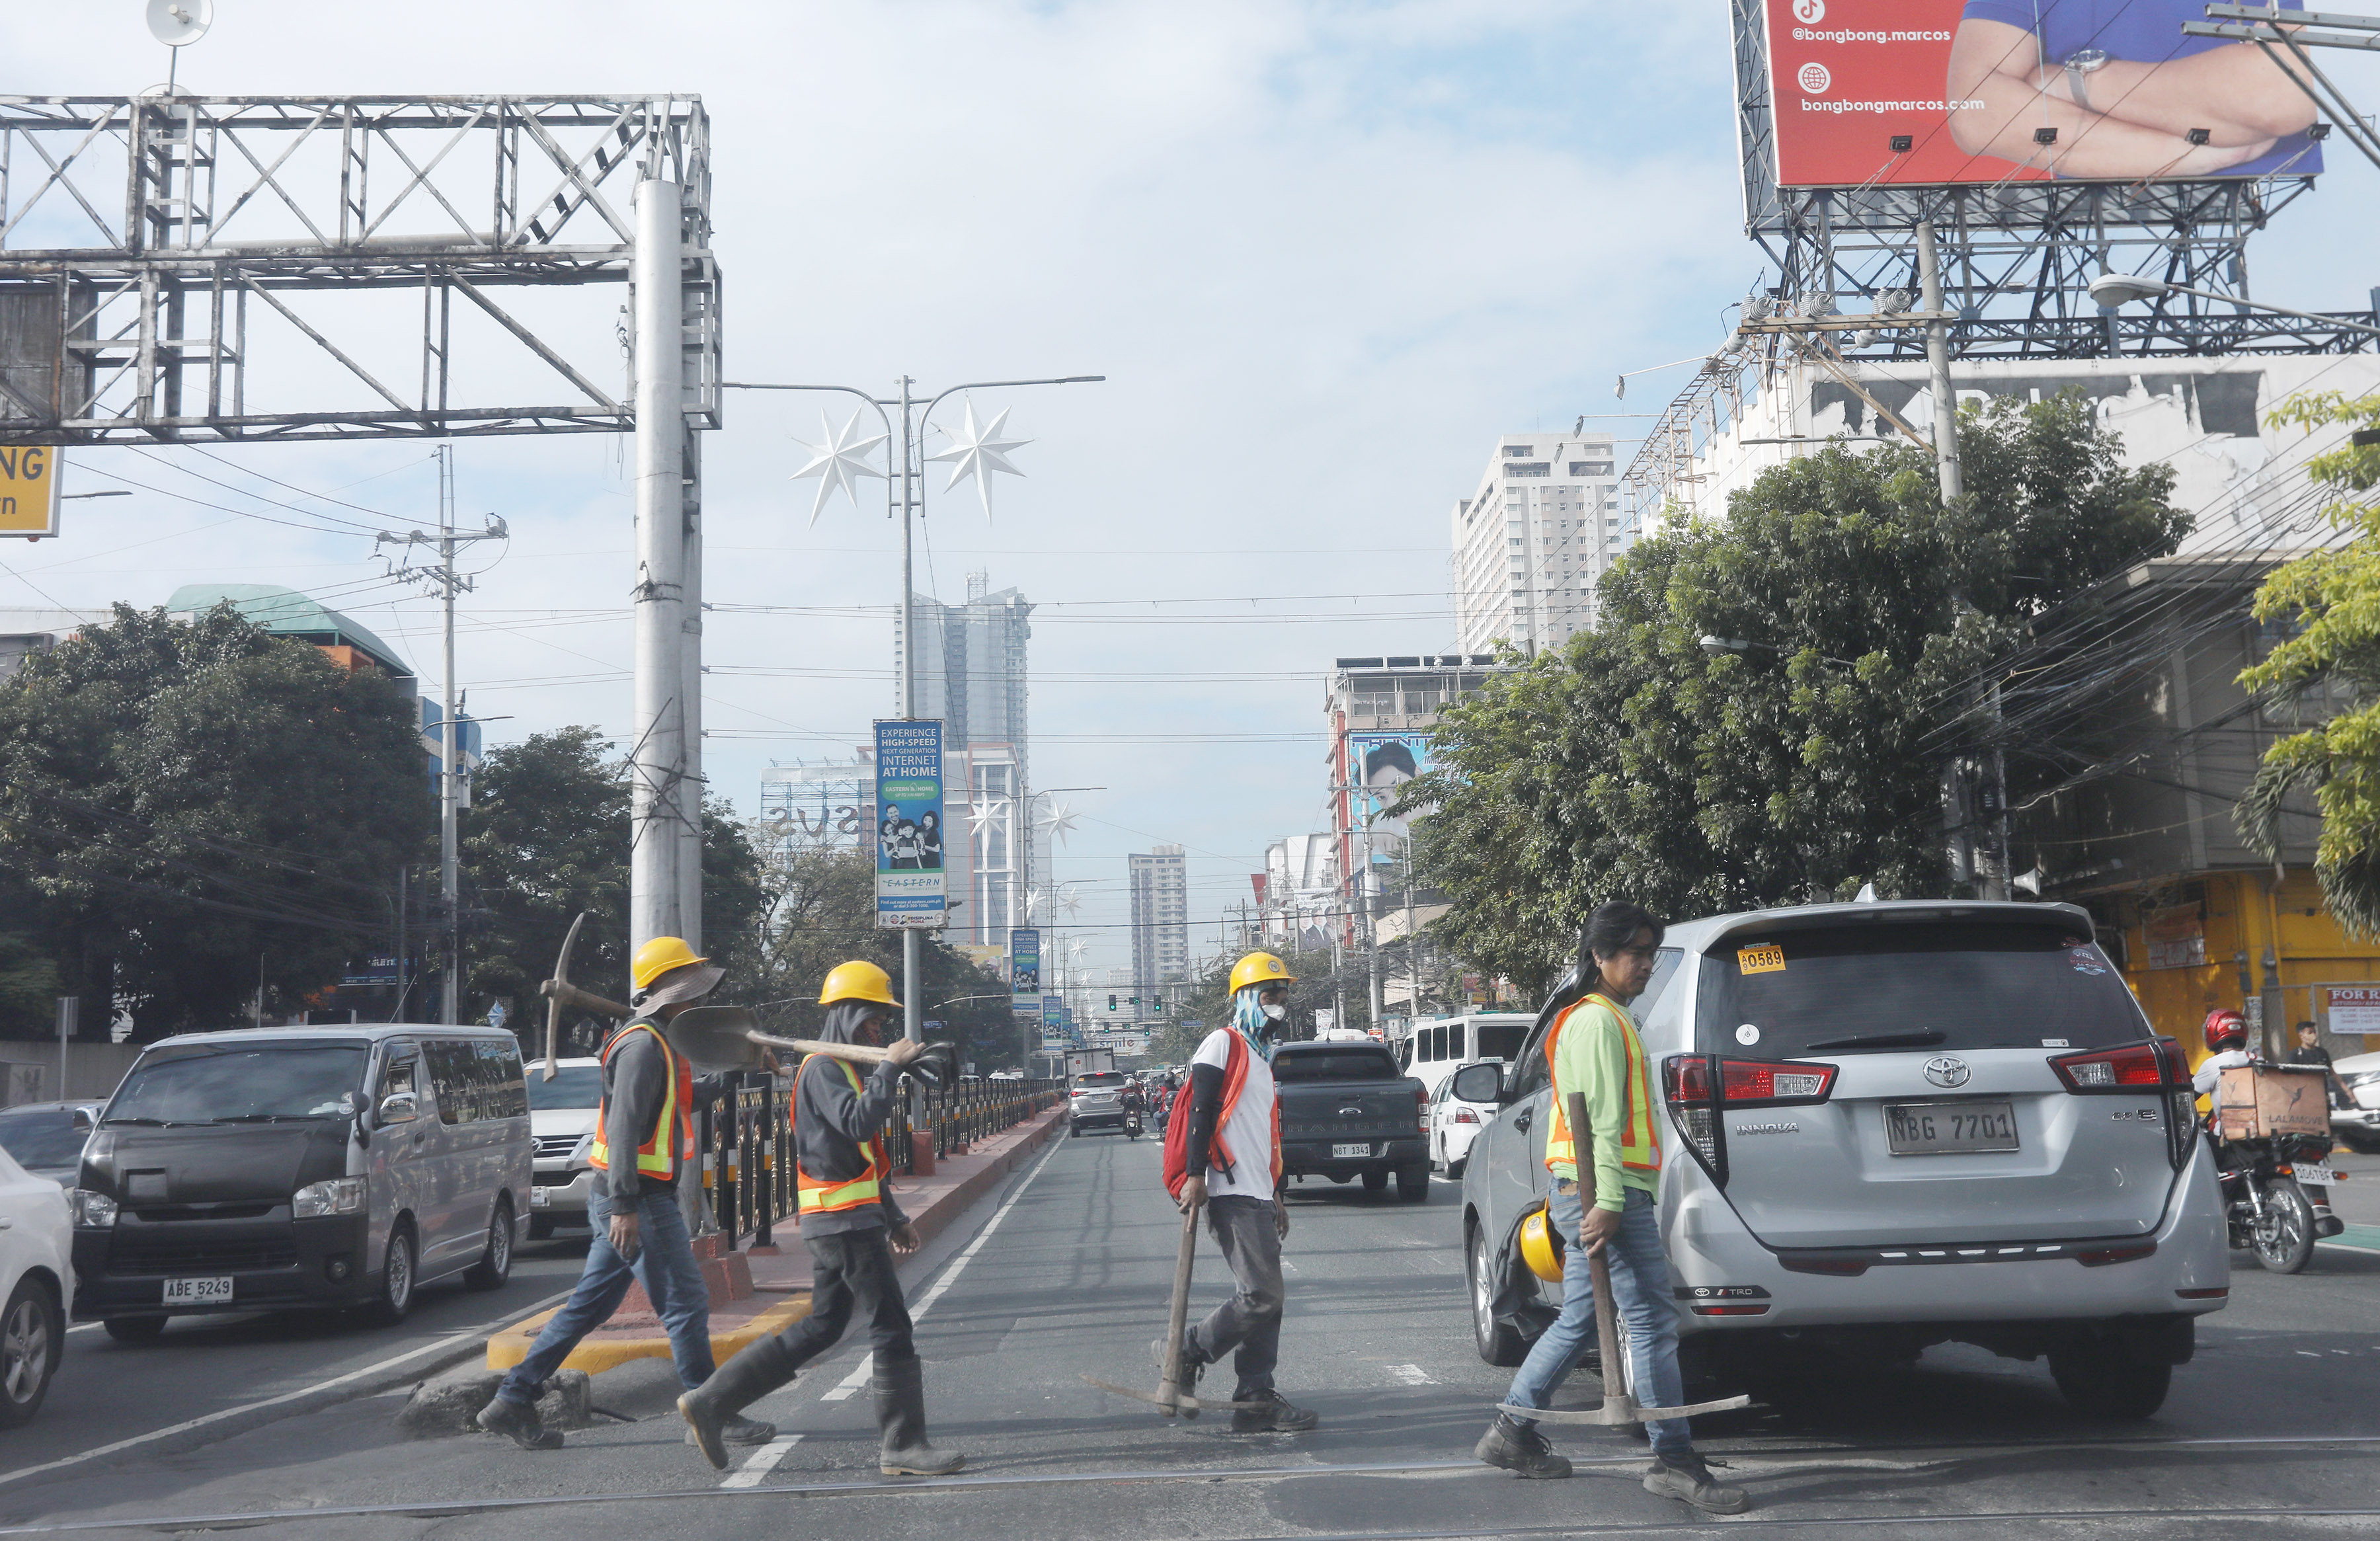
[
  {"x": 909, "y": 879},
  {"x": 1923, "y": 92},
  {"x": 1025, "y": 969},
  {"x": 1378, "y": 763},
  {"x": 29, "y": 491}
]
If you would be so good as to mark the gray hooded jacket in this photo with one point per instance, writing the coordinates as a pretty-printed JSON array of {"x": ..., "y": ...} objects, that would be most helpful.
[{"x": 830, "y": 1122}]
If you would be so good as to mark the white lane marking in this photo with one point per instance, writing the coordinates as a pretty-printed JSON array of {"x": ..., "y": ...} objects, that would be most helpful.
[
  {"x": 1413, "y": 1375},
  {"x": 484, "y": 1330},
  {"x": 763, "y": 1461},
  {"x": 866, "y": 1366}
]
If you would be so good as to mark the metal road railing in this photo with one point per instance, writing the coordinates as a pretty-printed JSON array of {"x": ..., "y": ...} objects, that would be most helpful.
[{"x": 748, "y": 1189}]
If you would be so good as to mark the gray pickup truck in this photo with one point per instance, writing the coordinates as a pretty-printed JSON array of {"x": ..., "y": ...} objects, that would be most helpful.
[{"x": 1346, "y": 1112}]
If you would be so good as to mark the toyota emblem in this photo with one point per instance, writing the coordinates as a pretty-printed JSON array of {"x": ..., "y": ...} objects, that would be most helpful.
[{"x": 1945, "y": 1071}]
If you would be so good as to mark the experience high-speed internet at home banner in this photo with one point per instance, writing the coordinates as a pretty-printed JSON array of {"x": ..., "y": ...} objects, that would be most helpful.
[{"x": 1931, "y": 91}]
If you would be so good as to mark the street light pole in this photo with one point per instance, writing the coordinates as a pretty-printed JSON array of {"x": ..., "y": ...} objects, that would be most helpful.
[{"x": 2113, "y": 289}]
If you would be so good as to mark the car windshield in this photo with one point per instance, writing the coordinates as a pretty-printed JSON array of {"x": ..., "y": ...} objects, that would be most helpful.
[
  {"x": 42, "y": 1136},
  {"x": 254, "y": 1084},
  {"x": 1341, "y": 1064},
  {"x": 1500, "y": 1040},
  {"x": 572, "y": 1087},
  {"x": 1911, "y": 986}
]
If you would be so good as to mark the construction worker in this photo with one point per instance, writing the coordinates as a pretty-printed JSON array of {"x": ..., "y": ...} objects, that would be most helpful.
[
  {"x": 643, "y": 1144},
  {"x": 1600, "y": 1070},
  {"x": 1232, "y": 1156},
  {"x": 852, "y": 1227}
]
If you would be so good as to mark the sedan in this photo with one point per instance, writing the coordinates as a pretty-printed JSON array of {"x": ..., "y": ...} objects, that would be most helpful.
[
  {"x": 1453, "y": 1125},
  {"x": 36, "y": 1280},
  {"x": 47, "y": 1137}
]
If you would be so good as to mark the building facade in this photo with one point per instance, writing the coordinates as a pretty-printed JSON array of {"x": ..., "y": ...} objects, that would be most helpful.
[
  {"x": 1532, "y": 539},
  {"x": 1159, "y": 883},
  {"x": 1381, "y": 713},
  {"x": 820, "y": 803}
]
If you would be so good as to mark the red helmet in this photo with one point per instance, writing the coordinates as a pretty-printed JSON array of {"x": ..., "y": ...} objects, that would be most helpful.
[{"x": 2226, "y": 1029}]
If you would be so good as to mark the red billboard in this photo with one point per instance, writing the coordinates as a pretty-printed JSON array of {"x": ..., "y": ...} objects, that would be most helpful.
[{"x": 1932, "y": 91}]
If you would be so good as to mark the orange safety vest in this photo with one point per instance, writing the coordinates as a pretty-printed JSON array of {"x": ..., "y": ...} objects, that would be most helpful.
[
  {"x": 816, "y": 1198},
  {"x": 1640, "y": 1139},
  {"x": 659, "y": 1156},
  {"x": 1176, "y": 1168}
]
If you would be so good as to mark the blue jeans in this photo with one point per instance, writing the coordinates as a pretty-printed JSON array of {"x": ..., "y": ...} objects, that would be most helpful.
[
  {"x": 1640, "y": 1290},
  {"x": 664, "y": 1265}
]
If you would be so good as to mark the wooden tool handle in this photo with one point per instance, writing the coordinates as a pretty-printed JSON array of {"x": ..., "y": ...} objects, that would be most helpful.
[
  {"x": 567, "y": 994},
  {"x": 1598, "y": 1267},
  {"x": 1177, "y": 1315},
  {"x": 858, "y": 1053}
]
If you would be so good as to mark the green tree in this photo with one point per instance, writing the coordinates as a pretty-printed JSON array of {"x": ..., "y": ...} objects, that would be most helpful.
[
  {"x": 546, "y": 837},
  {"x": 1632, "y": 764},
  {"x": 2331, "y": 602},
  {"x": 189, "y": 807}
]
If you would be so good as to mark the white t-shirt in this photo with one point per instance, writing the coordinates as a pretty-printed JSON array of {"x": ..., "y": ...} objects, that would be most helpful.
[
  {"x": 2211, "y": 1070},
  {"x": 1248, "y": 1131}
]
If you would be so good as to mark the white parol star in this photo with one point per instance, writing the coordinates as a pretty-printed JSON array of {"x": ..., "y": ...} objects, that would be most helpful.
[
  {"x": 844, "y": 457},
  {"x": 1058, "y": 822},
  {"x": 977, "y": 450}
]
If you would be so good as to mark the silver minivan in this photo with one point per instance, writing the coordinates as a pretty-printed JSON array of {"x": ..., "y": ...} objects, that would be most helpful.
[
  {"x": 1890, "y": 1125},
  {"x": 301, "y": 1168}
]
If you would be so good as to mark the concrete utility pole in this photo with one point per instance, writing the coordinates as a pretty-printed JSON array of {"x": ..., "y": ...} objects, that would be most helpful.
[
  {"x": 913, "y": 1022},
  {"x": 1937, "y": 362},
  {"x": 657, "y": 754}
]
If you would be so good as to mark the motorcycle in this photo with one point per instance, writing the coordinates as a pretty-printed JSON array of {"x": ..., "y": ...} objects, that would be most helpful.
[
  {"x": 2276, "y": 1197},
  {"x": 1131, "y": 1123}
]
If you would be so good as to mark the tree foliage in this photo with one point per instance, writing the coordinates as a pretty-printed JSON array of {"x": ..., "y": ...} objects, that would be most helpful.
[
  {"x": 2332, "y": 600},
  {"x": 1634, "y": 764},
  {"x": 184, "y": 808}
]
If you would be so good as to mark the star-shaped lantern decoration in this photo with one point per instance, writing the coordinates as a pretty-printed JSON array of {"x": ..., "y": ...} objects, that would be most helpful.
[
  {"x": 1032, "y": 902},
  {"x": 839, "y": 461},
  {"x": 977, "y": 450},
  {"x": 1058, "y": 822},
  {"x": 1070, "y": 900},
  {"x": 983, "y": 816}
]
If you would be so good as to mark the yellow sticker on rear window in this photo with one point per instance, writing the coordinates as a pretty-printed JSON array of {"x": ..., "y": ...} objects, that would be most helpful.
[{"x": 1760, "y": 960}]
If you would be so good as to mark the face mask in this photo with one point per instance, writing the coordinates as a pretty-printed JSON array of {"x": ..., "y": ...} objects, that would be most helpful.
[{"x": 1275, "y": 1012}]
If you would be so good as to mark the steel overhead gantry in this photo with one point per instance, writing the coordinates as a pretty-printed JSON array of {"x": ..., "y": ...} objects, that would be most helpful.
[{"x": 191, "y": 270}]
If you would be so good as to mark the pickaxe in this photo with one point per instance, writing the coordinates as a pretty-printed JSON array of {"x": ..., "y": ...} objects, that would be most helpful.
[
  {"x": 1170, "y": 1399},
  {"x": 1618, "y": 1407},
  {"x": 553, "y": 988}
]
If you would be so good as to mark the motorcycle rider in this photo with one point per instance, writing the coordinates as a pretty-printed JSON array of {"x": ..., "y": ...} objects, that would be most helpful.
[{"x": 2226, "y": 1032}]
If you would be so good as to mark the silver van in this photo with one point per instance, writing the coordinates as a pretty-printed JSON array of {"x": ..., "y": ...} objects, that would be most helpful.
[
  {"x": 1886, "y": 1127},
  {"x": 301, "y": 1168}
]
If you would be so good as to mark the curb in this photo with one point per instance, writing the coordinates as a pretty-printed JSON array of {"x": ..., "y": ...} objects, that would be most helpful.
[
  {"x": 937, "y": 1218},
  {"x": 509, "y": 1347}
]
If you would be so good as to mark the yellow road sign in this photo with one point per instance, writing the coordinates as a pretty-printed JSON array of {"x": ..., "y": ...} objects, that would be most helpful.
[{"x": 29, "y": 491}]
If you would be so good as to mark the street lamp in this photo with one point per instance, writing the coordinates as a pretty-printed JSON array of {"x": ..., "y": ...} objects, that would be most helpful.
[
  {"x": 1715, "y": 645},
  {"x": 2115, "y": 289},
  {"x": 843, "y": 457}
]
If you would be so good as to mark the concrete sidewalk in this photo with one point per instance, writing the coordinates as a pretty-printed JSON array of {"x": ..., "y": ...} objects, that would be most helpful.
[{"x": 756, "y": 1292}]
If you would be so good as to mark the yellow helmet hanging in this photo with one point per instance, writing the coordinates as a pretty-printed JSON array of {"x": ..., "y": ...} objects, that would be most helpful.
[
  {"x": 657, "y": 957},
  {"x": 1541, "y": 1246},
  {"x": 857, "y": 980},
  {"x": 1259, "y": 968}
]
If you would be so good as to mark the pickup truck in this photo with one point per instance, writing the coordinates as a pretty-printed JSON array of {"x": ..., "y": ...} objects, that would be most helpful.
[{"x": 1346, "y": 1112}]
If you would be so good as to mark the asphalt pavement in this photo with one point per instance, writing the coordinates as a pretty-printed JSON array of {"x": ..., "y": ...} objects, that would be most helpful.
[{"x": 1064, "y": 1274}]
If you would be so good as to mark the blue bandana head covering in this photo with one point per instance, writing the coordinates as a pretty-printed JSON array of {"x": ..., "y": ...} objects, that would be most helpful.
[{"x": 1249, "y": 1020}]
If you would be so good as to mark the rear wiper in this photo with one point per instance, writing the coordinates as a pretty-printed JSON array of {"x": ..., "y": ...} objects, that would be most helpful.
[{"x": 1879, "y": 1041}]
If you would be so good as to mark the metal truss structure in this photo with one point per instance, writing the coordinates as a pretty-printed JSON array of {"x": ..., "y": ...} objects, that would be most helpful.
[
  {"x": 155, "y": 250},
  {"x": 2017, "y": 255}
]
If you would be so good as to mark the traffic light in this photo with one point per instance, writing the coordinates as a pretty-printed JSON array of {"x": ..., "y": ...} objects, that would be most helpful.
[
  {"x": 1111, "y": 1002},
  {"x": 1161, "y": 1008}
]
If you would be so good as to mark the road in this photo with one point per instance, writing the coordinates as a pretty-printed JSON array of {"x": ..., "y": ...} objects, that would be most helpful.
[{"x": 2272, "y": 1428}]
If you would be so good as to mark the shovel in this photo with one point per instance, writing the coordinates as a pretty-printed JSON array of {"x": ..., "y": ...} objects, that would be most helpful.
[
  {"x": 1618, "y": 1407},
  {"x": 729, "y": 1037},
  {"x": 1170, "y": 1398}
]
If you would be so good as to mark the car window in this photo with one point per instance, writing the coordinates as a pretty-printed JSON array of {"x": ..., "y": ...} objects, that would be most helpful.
[
  {"x": 1499, "y": 1040},
  {"x": 475, "y": 1079},
  {"x": 1347, "y": 1064},
  {"x": 43, "y": 1138},
  {"x": 572, "y": 1087},
  {"x": 1953, "y": 984},
  {"x": 208, "y": 1086},
  {"x": 1099, "y": 1078}
]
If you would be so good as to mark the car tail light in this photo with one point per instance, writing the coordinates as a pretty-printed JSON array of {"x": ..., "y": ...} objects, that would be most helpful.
[
  {"x": 2122, "y": 1252},
  {"x": 2156, "y": 1068},
  {"x": 1690, "y": 1082},
  {"x": 1728, "y": 1310},
  {"x": 1464, "y": 1115}
]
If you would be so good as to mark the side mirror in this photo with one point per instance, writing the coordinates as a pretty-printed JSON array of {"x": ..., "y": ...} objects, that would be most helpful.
[
  {"x": 397, "y": 1107},
  {"x": 1483, "y": 1083}
]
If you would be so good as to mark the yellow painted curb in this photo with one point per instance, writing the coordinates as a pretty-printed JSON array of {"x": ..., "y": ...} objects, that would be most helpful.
[{"x": 596, "y": 1356}]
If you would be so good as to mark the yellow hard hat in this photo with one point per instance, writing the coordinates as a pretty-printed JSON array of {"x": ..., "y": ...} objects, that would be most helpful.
[
  {"x": 657, "y": 957},
  {"x": 1541, "y": 1246},
  {"x": 1259, "y": 968},
  {"x": 857, "y": 980}
]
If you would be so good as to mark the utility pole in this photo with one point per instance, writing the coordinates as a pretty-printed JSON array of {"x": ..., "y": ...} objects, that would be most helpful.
[
  {"x": 448, "y": 583},
  {"x": 1371, "y": 926},
  {"x": 1937, "y": 363},
  {"x": 656, "y": 754},
  {"x": 913, "y": 1022}
]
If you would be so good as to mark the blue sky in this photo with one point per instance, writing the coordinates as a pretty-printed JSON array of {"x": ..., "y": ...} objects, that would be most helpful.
[{"x": 1324, "y": 253}]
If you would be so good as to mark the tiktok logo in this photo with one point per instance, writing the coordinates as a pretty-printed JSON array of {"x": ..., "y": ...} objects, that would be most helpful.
[{"x": 1809, "y": 13}]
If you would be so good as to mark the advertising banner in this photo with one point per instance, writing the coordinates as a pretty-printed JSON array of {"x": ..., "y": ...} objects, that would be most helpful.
[
  {"x": 909, "y": 879},
  {"x": 1378, "y": 763},
  {"x": 1930, "y": 91},
  {"x": 1024, "y": 970},
  {"x": 1053, "y": 1015}
]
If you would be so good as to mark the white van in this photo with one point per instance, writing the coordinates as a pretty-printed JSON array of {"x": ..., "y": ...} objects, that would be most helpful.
[
  {"x": 1433, "y": 1050},
  {"x": 561, "y": 1115},
  {"x": 301, "y": 1168}
]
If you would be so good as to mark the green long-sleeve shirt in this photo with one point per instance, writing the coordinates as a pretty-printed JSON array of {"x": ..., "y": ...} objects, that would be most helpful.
[{"x": 1591, "y": 1058}]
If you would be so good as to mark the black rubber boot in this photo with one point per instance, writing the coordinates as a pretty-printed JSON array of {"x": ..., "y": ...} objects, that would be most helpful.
[
  {"x": 519, "y": 1422},
  {"x": 1686, "y": 1477},
  {"x": 710, "y": 1409},
  {"x": 900, "y": 1414},
  {"x": 1519, "y": 1449},
  {"x": 1274, "y": 1414}
]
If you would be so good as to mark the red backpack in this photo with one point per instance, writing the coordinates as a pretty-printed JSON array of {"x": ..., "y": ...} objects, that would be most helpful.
[{"x": 1177, "y": 1124}]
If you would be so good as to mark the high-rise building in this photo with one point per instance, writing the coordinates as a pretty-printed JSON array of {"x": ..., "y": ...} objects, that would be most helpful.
[
  {"x": 1161, "y": 924},
  {"x": 1381, "y": 714},
  {"x": 1531, "y": 543}
]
